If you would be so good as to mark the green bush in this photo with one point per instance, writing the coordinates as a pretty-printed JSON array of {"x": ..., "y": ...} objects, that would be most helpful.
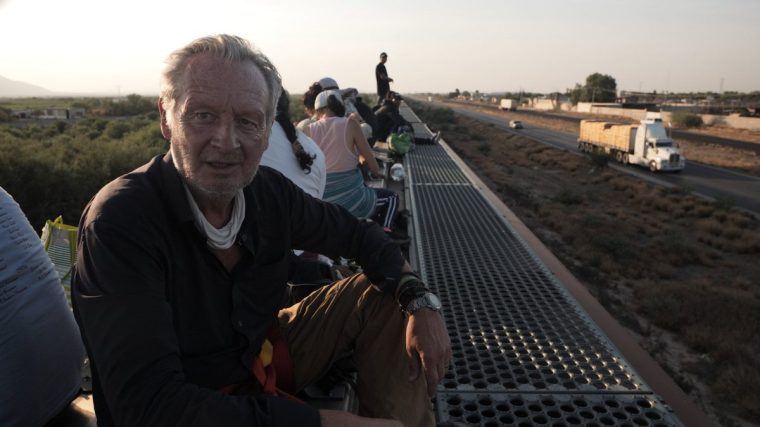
[
  {"x": 52, "y": 173},
  {"x": 686, "y": 119},
  {"x": 117, "y": 129}
]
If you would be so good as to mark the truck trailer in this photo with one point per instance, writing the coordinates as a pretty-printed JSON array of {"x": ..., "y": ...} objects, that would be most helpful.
[
  {"x": 646, "y": 144},
  {"x": 508, "y": 104}
]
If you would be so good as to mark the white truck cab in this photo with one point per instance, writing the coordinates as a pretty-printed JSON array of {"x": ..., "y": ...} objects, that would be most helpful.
[{"x": 654, "y": 149}]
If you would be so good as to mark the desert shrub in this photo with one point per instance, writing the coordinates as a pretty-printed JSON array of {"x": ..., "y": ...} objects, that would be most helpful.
[
  {"x": 60, "y": 126},
  {"x": 599, "y": 159},
  {"x": 710, "y": 226},
  {"x": 568, "y": 196},
  {"x": 724, "y": 203},
  {"x": 444, "y": 115},
  {"x": 5, "y": 114},
  {"x": 704, "y": 211},
  {"x": 617, "y": 245},
  {"x": 117, "y": 129},
  {"x": 484, "y": 149},
  {"x": 725, "y": 329},
  {"x": 686, "y": 119},
  {"x": 747, "y": 245}
]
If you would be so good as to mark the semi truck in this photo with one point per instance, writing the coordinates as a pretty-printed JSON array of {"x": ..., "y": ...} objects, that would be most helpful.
[
  {"x": 508, "y": 104},
  {"x": 646, "y": 144}
]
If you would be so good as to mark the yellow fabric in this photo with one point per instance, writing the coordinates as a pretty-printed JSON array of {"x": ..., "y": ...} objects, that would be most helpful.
[
  {"x": 266, "y": 353},
  {"x": 69, "y": 230}
]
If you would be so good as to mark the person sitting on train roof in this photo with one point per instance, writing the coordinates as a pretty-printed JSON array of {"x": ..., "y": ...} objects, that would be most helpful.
[
  {"x": 294, "y": 154},
  {"x": 354, "y": 107},
  {"x": 182, "y": 268},
  {"x": 389, "y": 117},
  {"x": 345, "y": 148},
  {"x": 41, "y": 353},
  {"x": 390, "y": 120},
  {"x": 308, "y": 105}
]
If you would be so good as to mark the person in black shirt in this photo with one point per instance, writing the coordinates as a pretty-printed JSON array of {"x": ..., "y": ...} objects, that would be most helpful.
[
  {"x": 182, "y": 268},
  {"x": 389, "y": 118},
  {"x": 383, "y": 81}
]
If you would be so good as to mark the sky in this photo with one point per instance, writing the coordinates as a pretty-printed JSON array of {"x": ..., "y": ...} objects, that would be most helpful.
[{"x": 105, "y": 46}]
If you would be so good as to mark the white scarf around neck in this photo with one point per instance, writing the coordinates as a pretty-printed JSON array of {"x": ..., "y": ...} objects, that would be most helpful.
[{"x": 219, "y": 238}]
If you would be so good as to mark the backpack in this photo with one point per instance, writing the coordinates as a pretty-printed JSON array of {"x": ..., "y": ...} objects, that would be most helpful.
[{"x": 400, "y": 143}]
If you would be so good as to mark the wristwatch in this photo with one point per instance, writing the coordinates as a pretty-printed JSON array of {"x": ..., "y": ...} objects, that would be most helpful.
[{"x": 427, "y": 300}]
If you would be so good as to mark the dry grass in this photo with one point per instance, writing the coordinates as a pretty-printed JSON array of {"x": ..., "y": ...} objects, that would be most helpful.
[
  {"x": 716, "y": 155},
  {"x": 663, "y": 256}
]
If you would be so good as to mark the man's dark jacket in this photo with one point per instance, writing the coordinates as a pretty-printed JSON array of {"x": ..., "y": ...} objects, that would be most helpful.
[{"x": 166, "y": 325}]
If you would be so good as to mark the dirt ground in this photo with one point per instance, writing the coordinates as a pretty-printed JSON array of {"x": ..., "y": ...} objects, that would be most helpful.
[
  {"x": 711, "y": 154},
  {"x": 681, "y": 273}
]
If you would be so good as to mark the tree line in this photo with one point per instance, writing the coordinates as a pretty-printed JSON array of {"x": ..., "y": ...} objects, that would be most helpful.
[{"x": 55, "y": 170}]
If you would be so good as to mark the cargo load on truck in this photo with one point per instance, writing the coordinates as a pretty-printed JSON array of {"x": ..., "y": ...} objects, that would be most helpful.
[
  {"x": 646, "y": 144},
  {"x": 508, "y": 104}
]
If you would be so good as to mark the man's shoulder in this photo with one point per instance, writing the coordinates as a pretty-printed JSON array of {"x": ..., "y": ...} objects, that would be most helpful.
[
  {"x": 268, "y": 179},
  {"x": 127, "y": 195}
]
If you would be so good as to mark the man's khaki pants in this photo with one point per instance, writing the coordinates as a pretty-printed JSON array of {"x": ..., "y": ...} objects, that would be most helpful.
[{"x": 351, "y": 315}]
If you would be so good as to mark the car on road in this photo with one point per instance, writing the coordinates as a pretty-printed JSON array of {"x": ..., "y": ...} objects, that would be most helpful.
[{"x": 515, "y": 124}]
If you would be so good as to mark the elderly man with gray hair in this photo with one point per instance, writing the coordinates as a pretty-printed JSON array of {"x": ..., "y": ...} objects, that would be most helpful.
[{"x": 182, "y": 271}]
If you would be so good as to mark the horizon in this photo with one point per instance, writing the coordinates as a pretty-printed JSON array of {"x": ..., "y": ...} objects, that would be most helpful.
[{"x": 433, "y": 47}]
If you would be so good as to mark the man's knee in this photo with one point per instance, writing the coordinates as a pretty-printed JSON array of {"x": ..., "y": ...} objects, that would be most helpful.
[{"x": 361, "y": 291}]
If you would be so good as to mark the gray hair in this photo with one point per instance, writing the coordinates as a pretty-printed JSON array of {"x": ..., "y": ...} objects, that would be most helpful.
[{"x": 226, "y": 47}]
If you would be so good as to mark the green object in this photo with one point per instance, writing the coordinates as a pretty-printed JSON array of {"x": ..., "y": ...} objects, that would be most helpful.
[
  {"x": 60, "y": 242},
  {"x": 400, "y": 143}
]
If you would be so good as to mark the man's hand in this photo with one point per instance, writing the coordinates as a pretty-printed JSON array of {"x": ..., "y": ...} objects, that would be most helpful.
[
  {"x": 330, "y": 418},
  {"x": 428, "y": 344}
]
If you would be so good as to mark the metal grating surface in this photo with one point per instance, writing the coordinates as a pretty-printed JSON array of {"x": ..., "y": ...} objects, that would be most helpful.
[
  {"x": 408, "y": 114},
  {"x": 517, "y": 335},
  {"x": 431, "y": 165},
  {"x": 421, "y": 130},
  {"x": 515, "y": 328},
  {"x": 554, "y": 410}
]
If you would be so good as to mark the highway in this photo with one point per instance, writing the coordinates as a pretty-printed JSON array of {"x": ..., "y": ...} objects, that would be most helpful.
[{"x": 740, "y": 190}]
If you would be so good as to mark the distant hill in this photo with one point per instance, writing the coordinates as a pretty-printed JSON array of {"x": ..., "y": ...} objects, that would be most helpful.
[{"x": 13, "y": 89}]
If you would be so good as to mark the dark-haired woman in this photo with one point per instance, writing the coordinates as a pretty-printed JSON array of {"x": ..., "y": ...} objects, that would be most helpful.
[
  {"x": 294, "y": 154},
  {"x": 344, "y": 145},
  {"x": 308, "y": 106}
]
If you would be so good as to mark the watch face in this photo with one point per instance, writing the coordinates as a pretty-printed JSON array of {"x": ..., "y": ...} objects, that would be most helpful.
[
  {"x": 433, "y": 301},
  {"x": 429, "y": 300}
]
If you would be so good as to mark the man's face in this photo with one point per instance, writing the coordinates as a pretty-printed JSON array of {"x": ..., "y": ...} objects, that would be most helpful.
[
  {"x": 218, "y": 126},
  {"x": 383, "y": 59}
]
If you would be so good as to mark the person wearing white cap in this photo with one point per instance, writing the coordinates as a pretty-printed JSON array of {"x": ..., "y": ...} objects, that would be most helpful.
[
  {"x": 328, "y": 83},
  {"x": 343, "y": 144},
  {"x": 349, "y": 99}
]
